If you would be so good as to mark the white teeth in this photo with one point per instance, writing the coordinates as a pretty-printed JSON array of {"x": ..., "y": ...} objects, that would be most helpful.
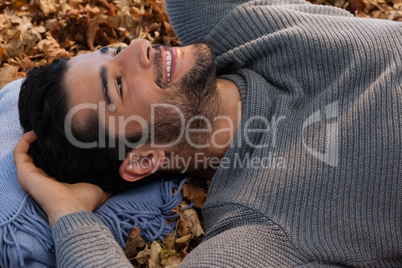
[
  {"x": 168, "y": 64},
  {"x": 168, "y": 56}
]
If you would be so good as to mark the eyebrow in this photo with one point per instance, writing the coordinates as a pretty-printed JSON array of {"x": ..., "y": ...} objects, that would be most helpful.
[{"x": 105, "y": 88}]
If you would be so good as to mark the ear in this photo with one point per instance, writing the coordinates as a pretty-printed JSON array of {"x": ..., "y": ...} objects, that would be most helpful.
[{"x": 137, "y": 166}]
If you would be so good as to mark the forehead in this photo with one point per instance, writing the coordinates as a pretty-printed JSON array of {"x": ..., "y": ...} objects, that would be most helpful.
[
  {"x": 83, "y": 82},
  {"x": 88, "y": 63}
]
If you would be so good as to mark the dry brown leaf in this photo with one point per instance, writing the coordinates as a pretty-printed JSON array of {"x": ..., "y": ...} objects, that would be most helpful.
[
  {"x": 382, "y": 9},
  {"x": 356, "y": 5},
  {"x": 194, "y": 194},
  {"x": 91, "y": 31},
  {"x": 25, "y": 63},
  {"x": 170, "y": 258},
  {"x": 143, "y": 256},
  {"x": 155, "y": 255},
  {"x": 17, "y": 35},
  {"x": 169, "y": 241},
  {"x": 193, "y": 222},
  {"x": 8, "y": 74},
  {"x": 182, "y": 226},
  {"x": 106, "y": 4},
  {"x": 134, "y": 243},
  {"x": 172, "y": 261},
  {"x": 188, "y": 222},
  {"x": 394, "y": 15},
  {"x": 48, "y": 6},
  {"x": 182, "y": 243},
  {"x": 51, "y": 48}
]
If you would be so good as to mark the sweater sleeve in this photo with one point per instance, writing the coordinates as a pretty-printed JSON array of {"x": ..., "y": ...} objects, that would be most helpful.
[
  {"x": 82, "y": 240},
  {"x": 246, "y": 246},
  {"x": 192, "y": 20}
]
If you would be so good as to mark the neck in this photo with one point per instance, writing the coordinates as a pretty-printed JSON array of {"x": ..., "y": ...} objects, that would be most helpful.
[{"x": 205, "y": 162}]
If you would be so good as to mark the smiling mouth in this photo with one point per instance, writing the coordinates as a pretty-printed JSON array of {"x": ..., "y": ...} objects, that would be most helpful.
[{"x": 169, "y": 58}]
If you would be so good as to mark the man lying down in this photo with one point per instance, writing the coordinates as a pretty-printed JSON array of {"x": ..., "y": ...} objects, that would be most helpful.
[{"x": 293, "y": 110}]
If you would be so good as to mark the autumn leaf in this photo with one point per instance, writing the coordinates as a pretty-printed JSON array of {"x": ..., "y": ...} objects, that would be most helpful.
[
  {"x": 155, "y": 255},
  {"x": 48, "y": 6},
  {"x": 173, "y": 261},
  {"x": 356, "y": 5},
  {"x": 8, "y": 74},
  {"x": 50, "y": 49},
  {"x": 190, "y": 217},
  {"x": 143, "y": 256},
  {"x": 134, "y": 243},
  {"x": 169, "y": 241},
  {"x": 91, "y": 32},
  {"x": 194, "y": 194},
  {"x": 182, "y": 243}
]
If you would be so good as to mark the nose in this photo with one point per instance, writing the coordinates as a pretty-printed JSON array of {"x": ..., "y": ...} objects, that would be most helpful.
[{"x": 139, "y": 50}]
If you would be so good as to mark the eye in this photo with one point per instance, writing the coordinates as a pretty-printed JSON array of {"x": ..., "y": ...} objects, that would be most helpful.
[
  {"x": 118, "y": 50},
  {"x": 120, "y": 86},
  {"x": 118, "y": 79}
]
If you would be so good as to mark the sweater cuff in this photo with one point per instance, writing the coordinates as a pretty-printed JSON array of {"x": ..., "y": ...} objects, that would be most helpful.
[
  {"x": 75, "y": 221},
  {"x": 83, "y": 241}
]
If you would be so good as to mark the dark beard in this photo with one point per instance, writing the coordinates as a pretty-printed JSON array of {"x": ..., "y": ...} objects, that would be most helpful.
[{"x": 196, "y": 95}]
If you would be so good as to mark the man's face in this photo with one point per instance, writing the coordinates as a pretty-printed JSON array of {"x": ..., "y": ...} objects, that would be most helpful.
[{"x": 130, "y": 82}]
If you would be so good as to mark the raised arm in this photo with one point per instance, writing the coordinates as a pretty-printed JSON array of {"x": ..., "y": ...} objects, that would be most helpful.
[
  {"x": 81, "y": 239},
  {"x": 192, "y": 20}
]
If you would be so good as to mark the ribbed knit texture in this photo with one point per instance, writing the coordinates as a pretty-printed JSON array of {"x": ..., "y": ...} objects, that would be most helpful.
[
  {"x": 25, "y": 235},
  {"x": 84, "y": 230},
  {"x": 325, "y": 88}
]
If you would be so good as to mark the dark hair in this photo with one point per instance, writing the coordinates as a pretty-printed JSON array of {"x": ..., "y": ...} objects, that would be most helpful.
[{"x": 43, "y": 106}]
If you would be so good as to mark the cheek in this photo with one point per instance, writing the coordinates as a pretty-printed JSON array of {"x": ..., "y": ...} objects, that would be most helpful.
[
  {"x": 131, "y": 126},
  {"x": 142, "y": 94},
  {"x": 126, "y": 123}
]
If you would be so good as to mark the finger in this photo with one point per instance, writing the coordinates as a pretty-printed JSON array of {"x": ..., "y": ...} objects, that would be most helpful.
[
  {"x": 29, "y": 136},
  {"x": 22, "y": 146}
]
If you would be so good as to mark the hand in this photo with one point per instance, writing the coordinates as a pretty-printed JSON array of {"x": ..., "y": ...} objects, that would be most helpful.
[{"x": 56, "y": 198}]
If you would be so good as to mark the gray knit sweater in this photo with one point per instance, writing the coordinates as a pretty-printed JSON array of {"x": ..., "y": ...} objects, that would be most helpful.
[{"x": 314, "y": 175}]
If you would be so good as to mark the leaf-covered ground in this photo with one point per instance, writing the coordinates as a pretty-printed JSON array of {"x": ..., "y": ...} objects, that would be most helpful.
[{"x": 34, "y": 32}]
